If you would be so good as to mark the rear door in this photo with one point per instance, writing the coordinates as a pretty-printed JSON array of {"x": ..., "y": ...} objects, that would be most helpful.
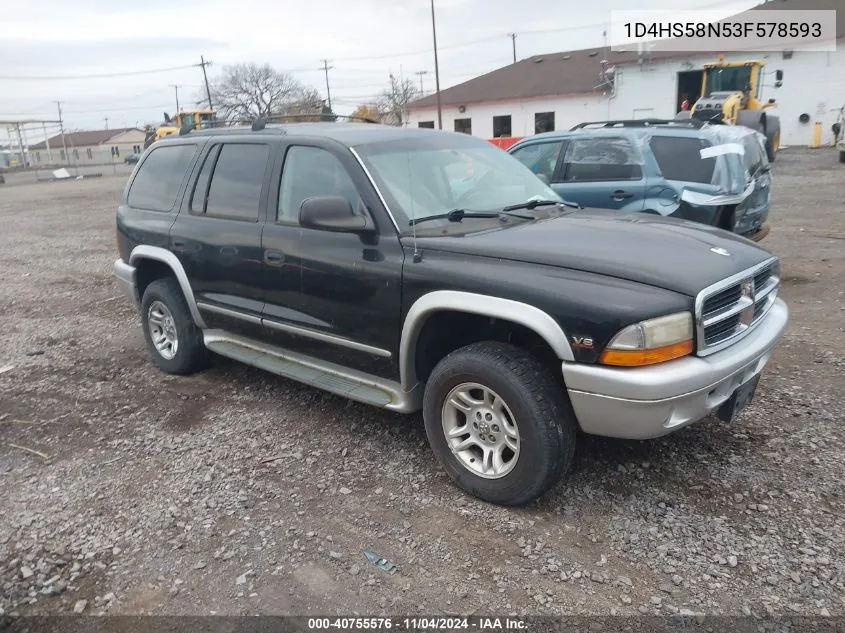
[
  {"x": 217, "y": 235},
  {"x": 604, "y": 172}
]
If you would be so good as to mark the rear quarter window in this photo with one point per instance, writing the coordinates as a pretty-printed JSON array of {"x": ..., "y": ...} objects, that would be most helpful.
[
  {"x": 679, "y": 159},
  {"x": 157, "y": 183}
]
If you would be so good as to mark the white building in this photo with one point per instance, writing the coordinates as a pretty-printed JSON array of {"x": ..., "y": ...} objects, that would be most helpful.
[
  {"x": 93, "y": 147},
  {"x": 557, "y": 91}
]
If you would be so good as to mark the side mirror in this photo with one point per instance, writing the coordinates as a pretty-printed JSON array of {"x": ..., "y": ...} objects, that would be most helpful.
[{"x": 332, "y": 213}]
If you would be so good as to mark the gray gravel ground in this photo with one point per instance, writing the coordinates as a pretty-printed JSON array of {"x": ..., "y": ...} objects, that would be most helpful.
[{"x": 238, "y": 492}]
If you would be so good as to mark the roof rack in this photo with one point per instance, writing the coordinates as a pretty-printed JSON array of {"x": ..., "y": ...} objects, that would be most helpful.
[
  {"x": 639, "y": 123},
  {"x": 261, "y": 122}
]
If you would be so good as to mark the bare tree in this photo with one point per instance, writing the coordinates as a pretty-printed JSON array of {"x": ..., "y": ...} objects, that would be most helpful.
[
  {"x": 394, "y": 100},
  {"x": 250, "y": 91}
]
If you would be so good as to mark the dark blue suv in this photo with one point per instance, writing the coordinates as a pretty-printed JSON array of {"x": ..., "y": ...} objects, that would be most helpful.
[{"x": 714, "y": 174}]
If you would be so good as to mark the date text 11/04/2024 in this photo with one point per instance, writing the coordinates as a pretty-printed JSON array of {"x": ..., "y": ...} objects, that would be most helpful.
[{"x": 481, "y": 624}]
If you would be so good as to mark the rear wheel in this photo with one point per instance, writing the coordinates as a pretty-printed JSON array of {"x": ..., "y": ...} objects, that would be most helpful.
[
  {"x": 772, "y": 137},
  {"x": 499, "y": 423},
  {"x": 174, "y": 340}
]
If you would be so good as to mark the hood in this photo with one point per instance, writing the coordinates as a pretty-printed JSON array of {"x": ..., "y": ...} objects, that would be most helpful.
[{"x": 667, "y": 253}]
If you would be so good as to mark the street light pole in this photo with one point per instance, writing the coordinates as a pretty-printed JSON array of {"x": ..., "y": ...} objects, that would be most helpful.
[{"x": 436, "y": 70}]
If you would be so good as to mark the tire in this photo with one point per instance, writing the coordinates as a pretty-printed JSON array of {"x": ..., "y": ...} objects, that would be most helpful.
[
  {"x": 534, "y": 402},
  {"x": 772, "y": 137},
  {"x": 161, "y": 297}
]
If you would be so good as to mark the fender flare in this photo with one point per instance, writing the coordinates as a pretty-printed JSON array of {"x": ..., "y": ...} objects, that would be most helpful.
[
  {"x": 166, "y": 257},
  {"x": 439, "y": 300}
]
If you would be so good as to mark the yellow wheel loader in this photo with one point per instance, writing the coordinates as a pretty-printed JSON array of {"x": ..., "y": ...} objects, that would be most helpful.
[
  {"x": 190, "y": 119},
  {"x": 731, "y": 95}
]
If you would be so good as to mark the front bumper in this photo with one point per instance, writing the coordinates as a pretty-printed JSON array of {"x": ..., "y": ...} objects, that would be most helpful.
[
  {"x": 126, "y": 279},
  {"x": 649, "y": 402}
]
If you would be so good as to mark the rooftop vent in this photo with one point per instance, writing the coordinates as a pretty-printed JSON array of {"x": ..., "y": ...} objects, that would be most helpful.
[
  {"x": 538, "y": 60},
  {"x": 593, "y": 54},
  {"x": 567, "y": 57}
]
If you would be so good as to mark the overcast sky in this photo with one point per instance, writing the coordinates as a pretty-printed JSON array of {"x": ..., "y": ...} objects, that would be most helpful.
[{"x": 45, "y": 41}]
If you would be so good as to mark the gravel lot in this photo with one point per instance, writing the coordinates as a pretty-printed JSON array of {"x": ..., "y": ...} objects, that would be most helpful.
[{"x": 126, "y": 491}]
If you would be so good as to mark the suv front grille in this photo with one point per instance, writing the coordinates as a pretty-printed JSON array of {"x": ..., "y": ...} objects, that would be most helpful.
[{"x": 728, "y": 310}]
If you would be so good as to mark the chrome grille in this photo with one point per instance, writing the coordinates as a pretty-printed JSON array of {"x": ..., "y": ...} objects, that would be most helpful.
[{"x": 730, "y": 309}]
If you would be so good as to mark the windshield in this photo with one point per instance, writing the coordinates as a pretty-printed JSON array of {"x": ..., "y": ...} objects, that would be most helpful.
[
  {"x": 422, "y": 177},
  {"x": 728, "y": 79}
]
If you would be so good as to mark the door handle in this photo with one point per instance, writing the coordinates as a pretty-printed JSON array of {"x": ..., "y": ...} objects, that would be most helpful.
[
  {"x": 177, "y": 245},
  {"x": 619, "y": 194},
  {"x": 274, "y": 258}
]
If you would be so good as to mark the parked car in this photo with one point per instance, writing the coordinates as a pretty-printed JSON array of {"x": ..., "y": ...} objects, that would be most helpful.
[
  {"x": 131, "y": 159},
  {"x": 714, "y": 174},
  {"x": 415, "y": 269}
]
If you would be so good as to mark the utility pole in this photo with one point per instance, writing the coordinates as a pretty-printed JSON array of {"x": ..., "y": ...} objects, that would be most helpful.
[
  {"x": 107, "y": 123},
  {"x": 436, "y": 70},
  {"x": 326, "y": 69},
  {"x": 177, "y": 95},
  {"x": 420, "y": 73},
  {"x": 21, "y": 149},
  {"x": 62, "y": 132},
  {"x": 513, "y": 43},
  {"x": 204, "y": 63}
]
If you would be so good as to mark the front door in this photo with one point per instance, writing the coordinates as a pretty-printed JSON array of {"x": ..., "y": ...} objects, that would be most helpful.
[
  {"x": 349, "y": 304},
  {"x": 602, "y": 172},
  {"x": 217, "y": 235}
]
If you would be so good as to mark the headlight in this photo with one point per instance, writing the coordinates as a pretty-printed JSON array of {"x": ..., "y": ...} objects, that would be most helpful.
[{"x": 649, "y": 342}]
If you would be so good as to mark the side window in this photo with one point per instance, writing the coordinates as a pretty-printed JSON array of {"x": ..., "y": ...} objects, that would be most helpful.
[
  {"x": 680, "y": 159},
  {"x": 597, "y": 159},
  {"x": 541, "y": 158},
  {"x": 236, "y": 182},
  {"x": 310, "y": 172},
  {"x": 157, "y": 183}
]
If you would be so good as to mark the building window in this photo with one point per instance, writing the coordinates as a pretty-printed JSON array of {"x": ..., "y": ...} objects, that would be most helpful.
[
  {"x": 427, "y": 124},
  {"x": 89, "y": 153},
  {"x": 76, "y": 154},
  {"x": 464, "y": 126},
  {"x": 501, "y": 126},
  {"x": 136, "y": 149},
  {"x": 62, "y": 154},
  {"x": 37, "y": 157},
  {"x": 544, "y": 122}
]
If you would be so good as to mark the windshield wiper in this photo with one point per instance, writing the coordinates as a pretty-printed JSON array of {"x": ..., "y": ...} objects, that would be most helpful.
[
  {"x": 533, "y": 204},
  {"x": 456, "y": 215}
]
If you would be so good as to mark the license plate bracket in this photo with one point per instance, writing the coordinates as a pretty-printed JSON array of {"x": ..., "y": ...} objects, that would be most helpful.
[{"x": 740, "y": 398}]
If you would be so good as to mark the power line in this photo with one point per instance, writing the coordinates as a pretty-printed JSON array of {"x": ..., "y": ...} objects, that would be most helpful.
[{"x": 98, "y": 76}]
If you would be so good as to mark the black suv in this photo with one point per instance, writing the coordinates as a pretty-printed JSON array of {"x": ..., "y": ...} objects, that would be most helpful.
[{"x": 417, "y": 269}]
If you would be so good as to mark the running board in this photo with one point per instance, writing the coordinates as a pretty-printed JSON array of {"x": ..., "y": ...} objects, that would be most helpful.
[{"x": 342, "y": 381}]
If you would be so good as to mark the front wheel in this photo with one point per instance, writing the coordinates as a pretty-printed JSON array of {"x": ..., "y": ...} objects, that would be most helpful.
[{"x": 499, "y": 423}]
